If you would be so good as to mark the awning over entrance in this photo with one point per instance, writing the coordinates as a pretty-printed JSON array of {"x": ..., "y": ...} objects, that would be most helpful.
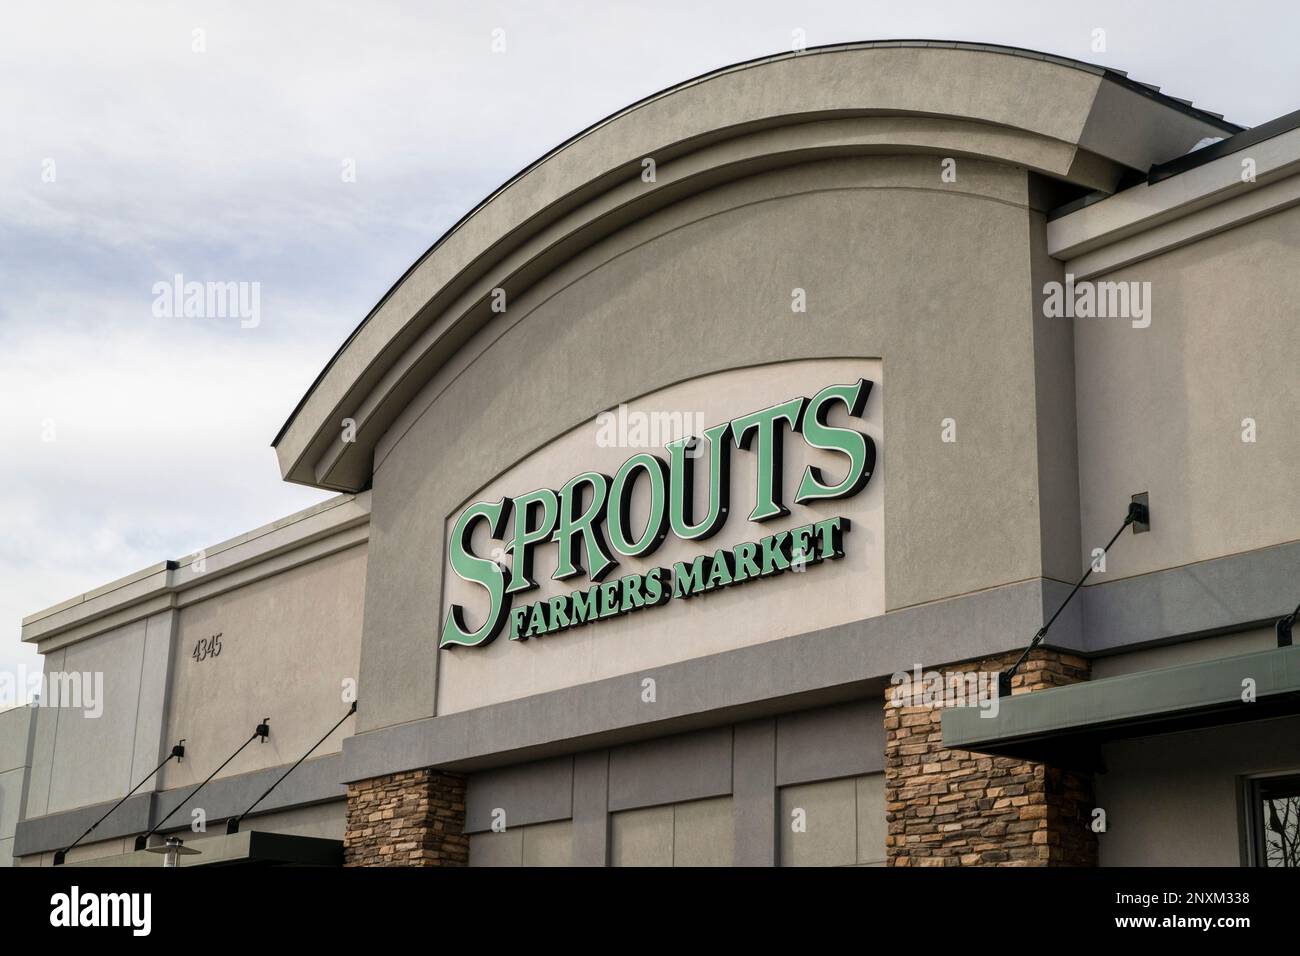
[
  {"x": 1066, "y": 726},
  {"x": 241, "y": 849}
]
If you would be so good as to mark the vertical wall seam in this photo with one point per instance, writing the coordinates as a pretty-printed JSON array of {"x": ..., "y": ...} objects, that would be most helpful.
[{"x": 139, "y": 691}]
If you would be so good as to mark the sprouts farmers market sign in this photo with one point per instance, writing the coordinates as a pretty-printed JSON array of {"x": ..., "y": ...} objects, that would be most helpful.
[{"x": 590, "y": 519}]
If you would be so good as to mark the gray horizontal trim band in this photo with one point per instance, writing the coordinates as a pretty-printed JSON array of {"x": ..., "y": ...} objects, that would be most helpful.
[
  {"x": 821, "y": 667},
  {"x": 56, "y": 830},
  {"x": 671, "y": 770},
  {"x": 843, "y": 741},
  {"x": 1221, "y": 594},
  {"x": 526, "y": 794},
  {"x": 1094, "y": 704},
  {"x": 315, "y": 781},
  {"x": 842, "y": 663}
]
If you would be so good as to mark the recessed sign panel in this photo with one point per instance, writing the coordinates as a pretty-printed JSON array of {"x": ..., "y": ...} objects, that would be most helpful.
[{"x": 727, "y": 510}]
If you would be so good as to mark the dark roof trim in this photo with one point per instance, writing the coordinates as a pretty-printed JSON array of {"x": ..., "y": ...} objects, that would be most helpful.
[
  {"x": 1224, "y": 147},
  {"x": 1189, "y": 161},
  {"x": 1116, "y": 76}
]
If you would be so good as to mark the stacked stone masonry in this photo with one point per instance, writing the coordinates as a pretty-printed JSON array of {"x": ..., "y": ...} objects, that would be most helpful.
[
  {"x": 415, "y": 818},
  {"x": 959, "y": 808}
]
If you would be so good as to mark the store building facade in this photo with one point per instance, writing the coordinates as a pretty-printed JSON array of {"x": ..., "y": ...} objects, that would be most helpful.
[{"x": 669, "y": 474}]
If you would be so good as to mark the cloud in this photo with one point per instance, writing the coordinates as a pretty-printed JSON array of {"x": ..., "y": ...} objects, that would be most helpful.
[{"x": 126, "y": 449}]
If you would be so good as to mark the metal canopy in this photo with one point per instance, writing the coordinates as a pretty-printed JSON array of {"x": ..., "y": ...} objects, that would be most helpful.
[
  {"x": 253, "y": 847},
  {"x": 1066, "y": 726}
]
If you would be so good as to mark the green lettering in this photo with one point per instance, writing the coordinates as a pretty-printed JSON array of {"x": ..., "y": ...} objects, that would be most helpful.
[
  {"x": 687, "y": 583},
  {"x": 720, "y": 574},
  {"x": 773, "y": 553},
  {"x": 830, "y": 536},
  {"x": 526, "y": 538},
  {"x": 632, "y": 596},
  {"x": 559, "y": 612},
  {"x": 655, "y": 592},
  {"x": 517, "y": 616},
  {"x": 681, "y": 493},
  {"x": 609, "y": 599},
  {"x": 859, "y": 448},
  {"x": 584, "y": 606},
  {"x": 481, "y": 571},
  {"x": 800, "y": 545},
  {"x": 766, "y": 424},
  {"x": 582, "y": 526},
  {"x": 536, "y": 620},
  {"x": 746, "y": 566},
  {"x": 620, "y": 506}
]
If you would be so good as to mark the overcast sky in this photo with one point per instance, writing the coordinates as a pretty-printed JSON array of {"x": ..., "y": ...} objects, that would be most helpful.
[{"x": 128, "y": 156}]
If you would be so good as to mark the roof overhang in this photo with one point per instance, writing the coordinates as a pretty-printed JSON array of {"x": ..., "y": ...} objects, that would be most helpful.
[
  {"x": 1066, "y": 726},
  {"x": 308, "y": 535},
  {"x": 1072, "y": 121},
  {"x": 1202, "y": 194}
]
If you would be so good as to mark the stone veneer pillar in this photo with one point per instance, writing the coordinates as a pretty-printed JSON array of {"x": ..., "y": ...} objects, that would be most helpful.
[
  {"x": 416, "y": 818},
  {"x": 959, "y": 808}
]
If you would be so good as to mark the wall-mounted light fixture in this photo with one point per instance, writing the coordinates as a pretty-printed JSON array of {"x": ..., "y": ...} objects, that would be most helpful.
[{"x": 1139, "y": 513}]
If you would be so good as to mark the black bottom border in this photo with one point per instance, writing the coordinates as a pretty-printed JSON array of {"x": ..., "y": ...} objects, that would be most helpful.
[{"x": 204, "y": 905}]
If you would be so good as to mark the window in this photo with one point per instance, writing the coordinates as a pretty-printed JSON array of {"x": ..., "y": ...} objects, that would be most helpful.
[{"x": 1275, "y": 820}]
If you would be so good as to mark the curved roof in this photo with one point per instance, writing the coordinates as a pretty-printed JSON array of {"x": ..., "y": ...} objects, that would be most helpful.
[{"x": 1076, "y": 121}]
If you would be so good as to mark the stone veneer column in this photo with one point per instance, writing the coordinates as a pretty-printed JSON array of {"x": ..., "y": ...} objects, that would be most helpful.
[
  {"x": 959, "y": 808},
  {"x": 416, "y": 818}
]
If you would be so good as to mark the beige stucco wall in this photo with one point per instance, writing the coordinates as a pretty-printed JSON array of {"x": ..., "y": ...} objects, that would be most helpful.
[
  {"x": 82, "y": 758},
  {"x": 288, "y": 643},
  {"x": 933, "y": 278},
  {"x": 1160, "y": 409},
  {"x": 1158, "y": 790},
  {"x": 15, "y": 768}
]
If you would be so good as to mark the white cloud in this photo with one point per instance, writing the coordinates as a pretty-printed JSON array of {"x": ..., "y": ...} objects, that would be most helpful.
[{"x": 126, "y": 449}]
